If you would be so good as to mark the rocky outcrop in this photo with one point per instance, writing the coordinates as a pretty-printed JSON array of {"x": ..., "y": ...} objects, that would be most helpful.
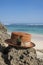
[
  {"x": 22, "y": 56},
  {"x": 2, "y": 28},
  {"x": 3, "y": 35},
  {"x": 19, "y": 56}
]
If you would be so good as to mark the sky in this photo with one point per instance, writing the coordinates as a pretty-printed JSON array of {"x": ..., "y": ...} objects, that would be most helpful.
[{"x": 21, "y": 11}]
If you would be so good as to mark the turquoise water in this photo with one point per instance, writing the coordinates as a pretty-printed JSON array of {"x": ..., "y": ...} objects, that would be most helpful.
[{"x": 36, "y": 29}]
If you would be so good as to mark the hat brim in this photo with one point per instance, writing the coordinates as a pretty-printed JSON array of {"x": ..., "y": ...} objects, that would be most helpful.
[{"x": 9, "y": 42}]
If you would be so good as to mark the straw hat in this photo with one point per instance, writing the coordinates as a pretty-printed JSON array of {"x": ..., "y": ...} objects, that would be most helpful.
[{"x": 20, "y": 39}]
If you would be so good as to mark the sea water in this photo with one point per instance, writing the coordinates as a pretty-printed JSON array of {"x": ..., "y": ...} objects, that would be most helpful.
[{"x": 36, "y": 29}]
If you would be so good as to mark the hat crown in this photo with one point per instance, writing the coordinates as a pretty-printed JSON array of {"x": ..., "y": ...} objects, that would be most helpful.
[{"x": 23, "y": 36}]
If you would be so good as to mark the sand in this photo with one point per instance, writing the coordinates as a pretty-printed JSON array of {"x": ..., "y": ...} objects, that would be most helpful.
[{"x": 37, "y": 39}]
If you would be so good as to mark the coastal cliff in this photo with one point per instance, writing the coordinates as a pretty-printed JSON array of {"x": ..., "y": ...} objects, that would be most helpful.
[{"x": 10, "y": 55}]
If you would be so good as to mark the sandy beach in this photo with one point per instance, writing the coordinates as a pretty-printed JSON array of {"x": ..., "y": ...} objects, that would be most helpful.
[{"x": 37, "y": 39}]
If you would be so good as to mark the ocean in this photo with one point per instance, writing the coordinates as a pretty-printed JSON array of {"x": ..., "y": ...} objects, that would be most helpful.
[{"x": 33, "y": 29}]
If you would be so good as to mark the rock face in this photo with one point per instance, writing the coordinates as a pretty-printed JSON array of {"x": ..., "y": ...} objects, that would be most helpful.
[
  {"x": 2, "y": 28},
  {"x": 19, "y": 56},
  {"x": 3, "y": 34},
  {"x": 22, "y": 56}
]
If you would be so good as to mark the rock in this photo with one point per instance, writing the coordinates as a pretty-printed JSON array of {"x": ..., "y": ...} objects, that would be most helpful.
[
  {"x": 2, "y": 60},
  {"x": 39, "y": 61},
  {"x": 2, "y": 28},
  {"x": 3, "y": 35},
  {"x": 23, "y": 56}
]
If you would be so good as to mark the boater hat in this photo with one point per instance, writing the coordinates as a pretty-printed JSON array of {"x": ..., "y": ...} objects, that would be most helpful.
[{"x": 20, "y": 39}]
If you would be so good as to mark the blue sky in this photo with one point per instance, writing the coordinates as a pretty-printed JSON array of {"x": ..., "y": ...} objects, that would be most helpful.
[{"x": 21, "y": 11}]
